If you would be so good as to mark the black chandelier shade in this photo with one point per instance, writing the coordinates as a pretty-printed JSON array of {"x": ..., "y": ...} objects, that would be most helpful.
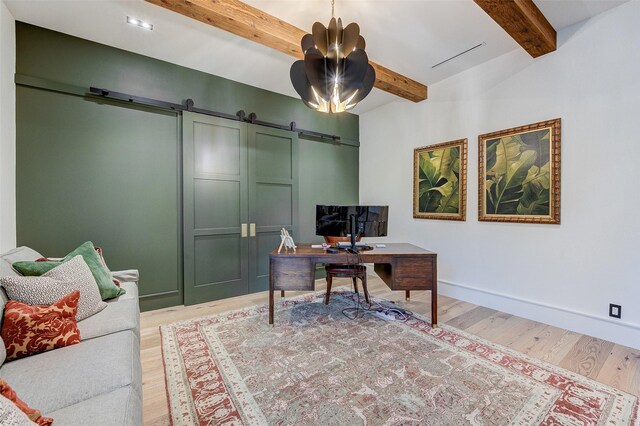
[{"x": 335, "y": 74}]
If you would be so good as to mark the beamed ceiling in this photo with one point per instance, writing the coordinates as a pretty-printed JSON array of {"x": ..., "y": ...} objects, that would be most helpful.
[{"x": 406, "y": 36}]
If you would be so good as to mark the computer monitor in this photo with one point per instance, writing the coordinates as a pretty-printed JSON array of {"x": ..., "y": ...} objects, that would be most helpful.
[{"x": 353, "y": 221}]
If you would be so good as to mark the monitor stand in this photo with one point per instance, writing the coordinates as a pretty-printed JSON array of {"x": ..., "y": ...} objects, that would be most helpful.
[
  {"x": 353, "y": 227},
  {"x": 353, "y": 245},
  {"x": 345, "y": 244}
]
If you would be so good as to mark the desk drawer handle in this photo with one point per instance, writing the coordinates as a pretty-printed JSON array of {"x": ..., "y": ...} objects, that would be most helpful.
[
  {"x": 243, "y": 231},
  {"x": 252, "y": 230}
]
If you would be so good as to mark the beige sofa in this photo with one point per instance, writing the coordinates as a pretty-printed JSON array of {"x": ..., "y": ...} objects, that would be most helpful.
[{"x": 96, "y": 382}]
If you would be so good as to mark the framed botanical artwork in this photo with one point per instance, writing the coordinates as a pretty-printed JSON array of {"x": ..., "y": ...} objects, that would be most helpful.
[
  {"x": 440, "y": 181},
  {"x": 519, "y": 174}
]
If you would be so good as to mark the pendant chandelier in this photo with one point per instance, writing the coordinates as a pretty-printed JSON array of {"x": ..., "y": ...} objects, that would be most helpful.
[{"x": 335, "y": 74}]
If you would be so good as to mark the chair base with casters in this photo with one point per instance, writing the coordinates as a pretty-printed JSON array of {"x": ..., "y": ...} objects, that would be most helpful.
[{"x": 354, "y": 272}]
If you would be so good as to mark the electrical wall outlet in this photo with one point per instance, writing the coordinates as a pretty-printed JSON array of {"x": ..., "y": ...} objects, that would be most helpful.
[{"x": 615, "y": 310}]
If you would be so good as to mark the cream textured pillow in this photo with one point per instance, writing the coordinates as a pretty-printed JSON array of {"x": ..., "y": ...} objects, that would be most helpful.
[
  {"x": 10, "y": 415},
  {"x": 55, "y": 284}
]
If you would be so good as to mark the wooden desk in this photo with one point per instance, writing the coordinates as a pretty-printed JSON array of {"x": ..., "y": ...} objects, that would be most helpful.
[{"x": 401, "y": 266}]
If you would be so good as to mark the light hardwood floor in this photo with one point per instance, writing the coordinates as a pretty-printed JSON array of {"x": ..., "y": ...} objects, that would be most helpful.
[{"x": 606, "y": 362}]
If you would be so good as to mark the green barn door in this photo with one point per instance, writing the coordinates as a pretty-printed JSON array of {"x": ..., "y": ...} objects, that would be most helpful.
[
  {"x": 240, "y": 188},
  {"x": 273, "y": 197},
  {"x": 214, "y": 208}
]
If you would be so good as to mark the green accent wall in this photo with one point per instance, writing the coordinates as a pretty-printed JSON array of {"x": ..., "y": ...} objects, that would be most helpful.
[
  {"x": 110, "y": 172},
  {"x": 328, "y": 175}
]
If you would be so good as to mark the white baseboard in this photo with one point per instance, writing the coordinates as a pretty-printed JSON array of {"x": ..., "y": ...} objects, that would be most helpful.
[{"x": 617, "y": 331}]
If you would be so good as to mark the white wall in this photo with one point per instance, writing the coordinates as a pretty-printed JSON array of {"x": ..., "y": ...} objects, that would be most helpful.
[
  {"x": 7, "y": 130},
  {"x": 567, "y": 274}
]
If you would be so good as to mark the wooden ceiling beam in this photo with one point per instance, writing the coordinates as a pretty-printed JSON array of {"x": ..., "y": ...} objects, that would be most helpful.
[
  {"x": 253, "y": 24},
  {"x": 524, "y": 22}
]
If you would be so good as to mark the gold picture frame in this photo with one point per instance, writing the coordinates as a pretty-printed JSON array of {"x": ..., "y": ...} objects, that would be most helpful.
[
  {"x": 519, "y": 174},
  {"x": 440, "y": 181}
]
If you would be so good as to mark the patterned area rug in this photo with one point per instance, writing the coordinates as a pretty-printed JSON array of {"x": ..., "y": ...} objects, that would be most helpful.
[{"x": 317, "y": 367}]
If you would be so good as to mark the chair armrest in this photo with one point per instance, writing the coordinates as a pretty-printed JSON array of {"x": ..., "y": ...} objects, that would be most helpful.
[{"x": 127, "y": 276}]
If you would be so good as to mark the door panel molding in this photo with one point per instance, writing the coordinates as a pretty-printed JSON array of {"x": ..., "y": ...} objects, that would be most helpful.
[
  {"x": 265, "y": 227},
  {"x": 223, "y": 260}
]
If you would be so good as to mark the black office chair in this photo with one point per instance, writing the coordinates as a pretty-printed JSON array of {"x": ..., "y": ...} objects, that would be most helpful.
[{"x": 344, "y": 270}]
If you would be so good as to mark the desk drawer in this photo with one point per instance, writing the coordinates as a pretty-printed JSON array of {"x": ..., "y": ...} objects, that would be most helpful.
[
  {"x": 413, "y": 267},
  {"x": 415, "y": 283},
  {"x": 293, "y": 274}
]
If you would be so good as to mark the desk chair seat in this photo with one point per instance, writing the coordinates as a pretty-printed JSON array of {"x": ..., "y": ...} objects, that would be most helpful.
[{"x": 346, "y": 271}]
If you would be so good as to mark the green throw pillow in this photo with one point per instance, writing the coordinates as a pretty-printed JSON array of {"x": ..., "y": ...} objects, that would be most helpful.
[{"x": 106, "y": 286}]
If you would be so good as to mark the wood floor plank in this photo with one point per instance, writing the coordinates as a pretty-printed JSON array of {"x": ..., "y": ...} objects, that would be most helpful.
[
  {"x": 634, "y": 387},
  {"x": 540, "y": 341},
  {"x": 561, "y": 347},
  {"x": 524, "y": 342},
  {"x": 488, "y": 324},
  {"x": 471, "y": 317},
  {"x": 454, "y": 310},
  {"x": 161, "y": 420},
  {"x": 511, "y": 330},
  {"x": 587, "y": 356},
  {"x": 621, "y": 369},
  {"x": 608, "y": 363}
]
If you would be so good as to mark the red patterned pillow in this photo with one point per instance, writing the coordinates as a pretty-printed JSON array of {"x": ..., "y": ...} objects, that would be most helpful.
[
  {"x": 28, "y": 330},
  {"x": 33, "y": 414}
]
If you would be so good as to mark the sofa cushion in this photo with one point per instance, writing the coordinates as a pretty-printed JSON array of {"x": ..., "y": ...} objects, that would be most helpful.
[
  {"x": 61, "y": 280},
  {"x": 82, "y": 371},
  {"x": 117, "y": 316},
  {"x": 20, "y": 254},
  {"x": 122, "y": 406},
  {"x": 6, "y": 270},
  {"x": 121, "y": 313},
  {"x": 15, "y": 255},
  {"x": 126, "y": 276},
  {"x": 132, "y": 292},
  {"x": 107, "y": 288}
]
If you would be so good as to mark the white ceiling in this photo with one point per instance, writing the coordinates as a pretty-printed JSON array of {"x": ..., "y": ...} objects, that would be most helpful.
[{"x": 408, "y": 36}]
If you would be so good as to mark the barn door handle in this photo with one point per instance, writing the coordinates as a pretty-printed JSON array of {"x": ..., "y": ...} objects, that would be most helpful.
[
  {"x": 243, "y": 231},
  {"x": 252, "y": 230}
]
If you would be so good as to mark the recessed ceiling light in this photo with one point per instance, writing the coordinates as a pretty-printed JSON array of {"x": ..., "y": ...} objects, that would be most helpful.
[{"x": 139, "y": 23}]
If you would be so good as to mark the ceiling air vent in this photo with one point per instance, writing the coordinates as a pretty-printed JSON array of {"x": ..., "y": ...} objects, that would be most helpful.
[{"x": 459, "y": 54}]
